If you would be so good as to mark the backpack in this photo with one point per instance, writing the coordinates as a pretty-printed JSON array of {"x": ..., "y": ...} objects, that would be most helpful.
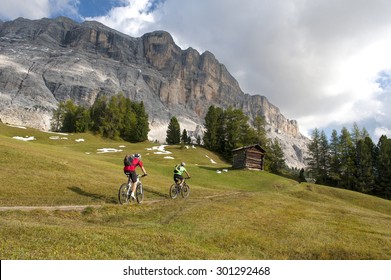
[
  {"x": 128, "y": 160},
  {"x": 177, "y": 168}
]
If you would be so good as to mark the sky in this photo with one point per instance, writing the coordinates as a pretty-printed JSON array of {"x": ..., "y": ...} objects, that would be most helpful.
[{"x": 324, "y": 63}]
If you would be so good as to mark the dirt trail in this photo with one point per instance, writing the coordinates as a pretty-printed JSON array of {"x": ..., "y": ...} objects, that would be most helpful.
[
  {"x": 82, "y": 207},
  {"x": 60, "y": 207},
  {"x": 49, "y": 208}
]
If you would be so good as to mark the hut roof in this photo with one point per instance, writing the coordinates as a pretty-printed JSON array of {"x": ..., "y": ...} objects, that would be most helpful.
[{"x": 250, "y": 146}]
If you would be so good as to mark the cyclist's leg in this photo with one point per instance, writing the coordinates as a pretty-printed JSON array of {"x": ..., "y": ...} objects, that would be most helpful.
[
  {"x": 180, "y": 177},
  {"x": 129, "y": 184},
  {"x": 133, "y": 177},
  {"x": 177, "y": 179}
]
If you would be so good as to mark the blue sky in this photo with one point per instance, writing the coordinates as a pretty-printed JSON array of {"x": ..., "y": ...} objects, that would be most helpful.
[
  {"x": 324, "y": 63},
  {"x": 95, "y": 8}
]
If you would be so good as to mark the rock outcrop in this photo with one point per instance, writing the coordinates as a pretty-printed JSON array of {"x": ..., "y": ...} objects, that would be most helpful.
[{"x": 46, "y": 61}]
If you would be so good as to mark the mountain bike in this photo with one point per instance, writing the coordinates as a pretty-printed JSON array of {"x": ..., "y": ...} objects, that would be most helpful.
[
  {"x": 183, "y": 189},
  {"x": 125, "y": 190}
]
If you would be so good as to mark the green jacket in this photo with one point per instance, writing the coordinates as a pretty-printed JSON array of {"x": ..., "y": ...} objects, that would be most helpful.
[{"x": 179, "y": 169}]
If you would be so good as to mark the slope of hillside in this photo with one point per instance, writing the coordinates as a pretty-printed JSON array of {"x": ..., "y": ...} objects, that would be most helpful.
[{"x": 236, "y": 214}]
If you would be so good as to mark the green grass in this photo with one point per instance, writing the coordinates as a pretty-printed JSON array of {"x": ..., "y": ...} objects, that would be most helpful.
[{"x": 239, "y": 214}]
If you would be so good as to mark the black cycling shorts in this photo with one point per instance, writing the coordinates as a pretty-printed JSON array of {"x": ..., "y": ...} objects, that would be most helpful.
[
  {"x": 132, "y": 174},
  {"x": 178, "y": 177}
]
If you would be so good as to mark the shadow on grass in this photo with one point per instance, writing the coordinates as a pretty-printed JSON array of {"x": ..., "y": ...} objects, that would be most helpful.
[
  {"x": 156, "y": 192},
  {"x": 214, "y": 168},
  {"x": 94, "y": 196}
]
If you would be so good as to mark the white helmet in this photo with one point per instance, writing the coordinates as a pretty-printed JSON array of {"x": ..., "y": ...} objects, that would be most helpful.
[{"x": 183, "y": 164}]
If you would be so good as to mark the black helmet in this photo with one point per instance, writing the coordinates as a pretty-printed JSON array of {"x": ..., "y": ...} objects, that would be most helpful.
[{"x": 137, "y": 156}]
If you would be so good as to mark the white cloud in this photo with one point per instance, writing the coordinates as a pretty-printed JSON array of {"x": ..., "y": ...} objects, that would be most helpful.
[
  {"x": 379, "y": 131},
  {"x": 32, "y": 9},
  {"x": 131, "y": 18},
  {"x": 37, "y": 9}
]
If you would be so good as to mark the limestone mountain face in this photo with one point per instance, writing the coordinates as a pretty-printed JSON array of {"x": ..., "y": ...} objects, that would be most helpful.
[{"x": 46, "y": 61}]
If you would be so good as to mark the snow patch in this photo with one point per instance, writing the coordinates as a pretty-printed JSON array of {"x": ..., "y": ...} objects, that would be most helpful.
[
  {"x": 27, "y": 138},
  {"x": 160, "y": 150},
  {"x": 108, "y": 150},
  {"x": 52, "y": 132},
  {"x": 58, "y": 138},
  {"x": 211, "y": 160},
  {"x": 79, "y": 140}
]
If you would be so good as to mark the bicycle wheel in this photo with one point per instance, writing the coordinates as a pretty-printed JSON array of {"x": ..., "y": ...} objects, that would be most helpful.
[
  {"x": 123, "y": 196},
  {"x": 185, "y": 191},
  {"x": 139, "y": 193},
  {"x": 173, "y": 191}
]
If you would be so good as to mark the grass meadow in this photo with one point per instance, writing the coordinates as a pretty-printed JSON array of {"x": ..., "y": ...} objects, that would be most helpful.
[{"x": 238, "y": 214}]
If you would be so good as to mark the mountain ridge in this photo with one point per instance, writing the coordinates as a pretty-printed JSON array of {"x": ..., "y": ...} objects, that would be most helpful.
[{"x": 47, "y": 61}]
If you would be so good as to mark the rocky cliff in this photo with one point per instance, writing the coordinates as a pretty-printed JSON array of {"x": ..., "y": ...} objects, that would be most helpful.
[{"x": 46, "y": 61}]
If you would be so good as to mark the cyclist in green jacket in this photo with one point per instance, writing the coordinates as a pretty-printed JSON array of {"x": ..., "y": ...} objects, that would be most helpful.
[{"x": 178, "y": 172}]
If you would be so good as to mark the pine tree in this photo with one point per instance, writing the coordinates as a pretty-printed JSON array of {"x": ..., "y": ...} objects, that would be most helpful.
[
  {"x": 173, "y": 132},
  {"x": 314, "y": 154},
  {"x": 365, "y": 179},
  {"x": 111, "y": 123},
  {"x": 302, "y": 176},
  {"x": 383, "y": 170},
  {"x": 358, "y": 134},
  {"x": 324, "y": 158},
  {"x": 97, "y": 113},
  {"x": 58, "y": 117},
  {"x": 213, "y": 120},
  {"x": 237, "y": 131},
  {"x": 184, "y": 137},
  {"x": 128, "y": 119},
  {"x": 335, "y": 161},
  {"x": 260, "y": 130},
  {"x": 347, "y": 154},
  {"x": 142, "y": 126},
  {"x": 83, "y": 119},
  {"x": 277, "y": 161},
  {"x": 76, "y": 118}
]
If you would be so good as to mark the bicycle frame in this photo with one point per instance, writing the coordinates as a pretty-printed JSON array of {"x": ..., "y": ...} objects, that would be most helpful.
[
  {"x": 182, "y": 188},
  {"x": 125, "y": 190}
]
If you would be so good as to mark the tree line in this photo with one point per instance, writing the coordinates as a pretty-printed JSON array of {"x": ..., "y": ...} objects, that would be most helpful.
[
  {"x": 229, "y": 129},
  {"x": 117, "y": 117},
  {"x": 352, "y": 161},
  {"x": 174, "y": 136}
]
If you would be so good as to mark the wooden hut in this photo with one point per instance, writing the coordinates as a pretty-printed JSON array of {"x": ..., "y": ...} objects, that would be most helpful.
[{"x": 250, "y": 157}]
